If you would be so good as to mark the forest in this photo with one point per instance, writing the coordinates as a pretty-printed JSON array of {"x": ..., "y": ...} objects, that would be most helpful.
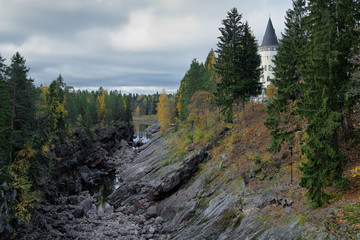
[
  {"x": 313, "y": 101},
  {"x": 33, "y": 119},
  {"x": 313, "y": 108}
]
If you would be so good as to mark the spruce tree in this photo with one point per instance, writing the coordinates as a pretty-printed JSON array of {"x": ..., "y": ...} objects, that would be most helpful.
[
  {"x": 5, "y": 122},
  {"x": 282, "y": 123},
  {"x": 237, "y": 63},
  {"x": 54, "y": 108},
  {"x": 333, "y": 39},
  {"x": 194, "y": 80},
  {"x": 212, "y": 78},
  {"x": 22, "y": 101}
]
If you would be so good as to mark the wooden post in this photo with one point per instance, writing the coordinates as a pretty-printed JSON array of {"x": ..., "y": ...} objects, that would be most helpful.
[{"x": 291, "y": 165}]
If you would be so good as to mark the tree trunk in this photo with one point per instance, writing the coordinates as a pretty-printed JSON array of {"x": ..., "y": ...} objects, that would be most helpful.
[
  {"x": 243, "y": 111},
  {"x": 243, "y": 122},
  {"x": 12, "y": 124},
  {"x": 345, "y": 120}
]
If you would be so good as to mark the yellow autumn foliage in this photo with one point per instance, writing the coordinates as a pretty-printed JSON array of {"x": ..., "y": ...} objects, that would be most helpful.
[
  {"x": 355, "y": 172},
  {"x": 270, "y": 91},
  {"x": 102, "y": 111},
  {"x": 53, "y": 107},
  {"x": 19, "y": 171},
  {"x": 137, "y": 112},
  {"x": 165, "y": 111}
]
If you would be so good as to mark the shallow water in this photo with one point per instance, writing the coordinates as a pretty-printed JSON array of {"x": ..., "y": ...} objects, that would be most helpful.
[{"x": 101, "y": 191}]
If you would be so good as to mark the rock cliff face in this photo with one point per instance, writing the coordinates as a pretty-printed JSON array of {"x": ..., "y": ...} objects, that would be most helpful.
[
  {"x": 192, "y": 206},
  {"x": 158, "y": 199}
]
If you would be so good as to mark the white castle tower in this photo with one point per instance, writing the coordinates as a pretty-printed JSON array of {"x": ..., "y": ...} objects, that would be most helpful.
[{"x": 268, "y": 50}]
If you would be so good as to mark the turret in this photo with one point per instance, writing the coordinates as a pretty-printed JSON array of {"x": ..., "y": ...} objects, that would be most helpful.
[{"x": 268, "y": 51}]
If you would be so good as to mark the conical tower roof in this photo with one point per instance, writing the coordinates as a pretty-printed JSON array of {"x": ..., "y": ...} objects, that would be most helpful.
[{"x": 270, "y": 38}]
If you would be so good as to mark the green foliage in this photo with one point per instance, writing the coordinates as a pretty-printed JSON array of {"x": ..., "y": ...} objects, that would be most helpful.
[
  {"x": 261, "y": 176},
  {"x": 41, "y": 118},
  {"x": 192, "y": 82},
  {"x": 96, "y": 108},
  {"x": 146, "y": 103},
  {"x": 237, "y": 63},
  {"x": 5, "y": 123},
  {"x": 324, "y": 160},
  {"x": 22, "y": 103},
  {"x": 199, "y": 78},
  {"x": 26, "y": 197},
  {"x": 257, "y": 158},
  {"x": 332, "y": 42},
  {"x": 313, "y": 81},
  {"x": 281, "y": 120},
  {"x": 53, "y": 109}
]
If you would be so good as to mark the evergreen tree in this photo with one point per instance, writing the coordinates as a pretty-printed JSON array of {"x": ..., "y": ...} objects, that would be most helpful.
[
  {"x": 333, "y": 39},
  {"x": 237, "y": 63},
  {"x": 5, "y": 122},
  {"x": 22, "y": 101},
  {"x": 287, "y": 80},
  {"x": 54, "y": 107},
  {"x": 128, "y": 110},
  {"x": 71, "y": 106},
  {"x": 212, "y": 77},
  {"x": 194, "y": 80},
  {"x": 90, "y": 115}
]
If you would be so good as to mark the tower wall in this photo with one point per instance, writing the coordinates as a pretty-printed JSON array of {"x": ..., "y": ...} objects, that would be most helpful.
[{"x": 267, "y": 56}]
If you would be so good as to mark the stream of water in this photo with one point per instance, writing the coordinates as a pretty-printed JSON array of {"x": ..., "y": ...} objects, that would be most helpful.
[{"x": 105, "y": 189}]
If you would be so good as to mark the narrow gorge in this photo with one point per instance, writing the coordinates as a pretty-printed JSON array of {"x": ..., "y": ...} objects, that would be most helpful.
[{"x": 160, "y": 197}]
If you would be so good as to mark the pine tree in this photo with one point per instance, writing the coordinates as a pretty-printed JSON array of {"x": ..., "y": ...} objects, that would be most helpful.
[
  {"x": 288, "y": 61},
  {"x": 237, "y": 63}
]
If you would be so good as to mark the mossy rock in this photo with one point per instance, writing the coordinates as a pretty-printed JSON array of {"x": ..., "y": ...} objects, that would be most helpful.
[{"x": 232, "y": 217}]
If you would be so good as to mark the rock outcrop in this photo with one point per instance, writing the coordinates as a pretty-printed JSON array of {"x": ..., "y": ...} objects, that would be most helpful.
[
  {"x": 193, "y": 206},
  {"x": 162, "y": 199}
]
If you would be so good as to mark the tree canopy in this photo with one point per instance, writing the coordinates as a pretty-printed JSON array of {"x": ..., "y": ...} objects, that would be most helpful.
[{"x": 238, "y": 64}]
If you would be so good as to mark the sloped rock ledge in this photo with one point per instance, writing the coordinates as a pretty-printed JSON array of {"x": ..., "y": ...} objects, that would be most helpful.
[{"x": 141, "y": 189}]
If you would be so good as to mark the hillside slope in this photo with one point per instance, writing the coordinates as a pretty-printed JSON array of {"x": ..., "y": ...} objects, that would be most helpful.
[{"x": 220, "y": 190}]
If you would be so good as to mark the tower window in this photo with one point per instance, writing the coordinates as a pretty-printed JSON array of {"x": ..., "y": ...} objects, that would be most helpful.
[
  {"x": 269, "y": 67},
  {"x": 265, "y": 68},
  {"x": 268, "y": 78}
]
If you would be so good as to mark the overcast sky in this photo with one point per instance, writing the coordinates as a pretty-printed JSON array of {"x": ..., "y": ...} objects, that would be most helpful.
[{"x": 131, "y": 45}]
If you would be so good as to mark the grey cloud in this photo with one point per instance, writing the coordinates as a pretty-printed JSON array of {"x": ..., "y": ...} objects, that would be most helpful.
[{"x": 93, "y": 43}]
